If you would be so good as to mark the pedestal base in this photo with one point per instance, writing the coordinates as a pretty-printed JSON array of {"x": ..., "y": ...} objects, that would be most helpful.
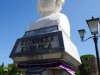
[{"x": 50, "y": 71}]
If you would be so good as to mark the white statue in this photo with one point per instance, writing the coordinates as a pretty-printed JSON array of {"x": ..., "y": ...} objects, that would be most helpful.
[
  {"x": 48, "y": 7},
  {"x": 51, "y": 16},
  {"x": 50, "y": 13}
]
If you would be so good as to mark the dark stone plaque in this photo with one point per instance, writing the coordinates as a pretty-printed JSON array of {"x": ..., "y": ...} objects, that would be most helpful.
[
  {"x": 40, "y": 44},
  {"x": 41, "y": 31}
]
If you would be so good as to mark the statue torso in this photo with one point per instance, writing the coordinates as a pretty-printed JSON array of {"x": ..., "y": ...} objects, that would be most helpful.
[{"x": 53, "y": 19}]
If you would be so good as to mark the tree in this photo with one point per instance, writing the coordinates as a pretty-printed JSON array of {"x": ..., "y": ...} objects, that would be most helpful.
[
  {"x": 11, "y": 69},
  {"x": 84, "y": 68},
  {"x": 2, "y": 69}
]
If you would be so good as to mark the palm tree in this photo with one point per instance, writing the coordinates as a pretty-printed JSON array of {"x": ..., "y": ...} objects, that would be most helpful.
[
  {"x": 11, "y": 69},
  {"x": 2, "y": 69}
]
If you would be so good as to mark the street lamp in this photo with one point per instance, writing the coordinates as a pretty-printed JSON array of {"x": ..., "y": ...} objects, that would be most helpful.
[
  {"x": 93, "y": 25},
  {"x": 82, "y": 33}
]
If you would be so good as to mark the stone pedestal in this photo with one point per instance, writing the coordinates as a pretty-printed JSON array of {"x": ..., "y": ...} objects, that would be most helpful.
[
  {"x": 46, "y": 48},
  {"x": 46, "y": 51}
]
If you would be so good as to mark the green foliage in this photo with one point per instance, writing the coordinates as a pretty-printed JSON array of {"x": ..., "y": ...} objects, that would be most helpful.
[
  {"x": 84, "y": 68},
  {"x": 77, "y": 71},
  {"x": 11, "y": 69},
  {"x": 2, "y": 69}
]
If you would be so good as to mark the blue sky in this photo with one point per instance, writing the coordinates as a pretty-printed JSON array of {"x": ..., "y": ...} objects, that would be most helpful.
[{"x": 16, "y": 15}]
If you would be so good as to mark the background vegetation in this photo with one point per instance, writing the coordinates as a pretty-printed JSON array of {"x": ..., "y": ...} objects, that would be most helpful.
[
  {"x": 11, "y": 69},
  {"x": 84, "y": 68}
]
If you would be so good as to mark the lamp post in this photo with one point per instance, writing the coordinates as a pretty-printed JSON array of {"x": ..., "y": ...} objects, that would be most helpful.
[{"x": 93, "y": 25}]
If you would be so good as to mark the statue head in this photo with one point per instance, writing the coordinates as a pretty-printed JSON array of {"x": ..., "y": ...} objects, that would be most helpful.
[{"x": 50, "y": 6}]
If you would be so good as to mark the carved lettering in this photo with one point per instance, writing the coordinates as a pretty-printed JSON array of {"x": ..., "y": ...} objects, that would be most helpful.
[{"x": 39, "y": 43}]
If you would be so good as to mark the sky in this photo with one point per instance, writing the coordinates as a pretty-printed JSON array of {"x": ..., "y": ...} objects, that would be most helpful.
[{"x": 16, "y": 15}]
